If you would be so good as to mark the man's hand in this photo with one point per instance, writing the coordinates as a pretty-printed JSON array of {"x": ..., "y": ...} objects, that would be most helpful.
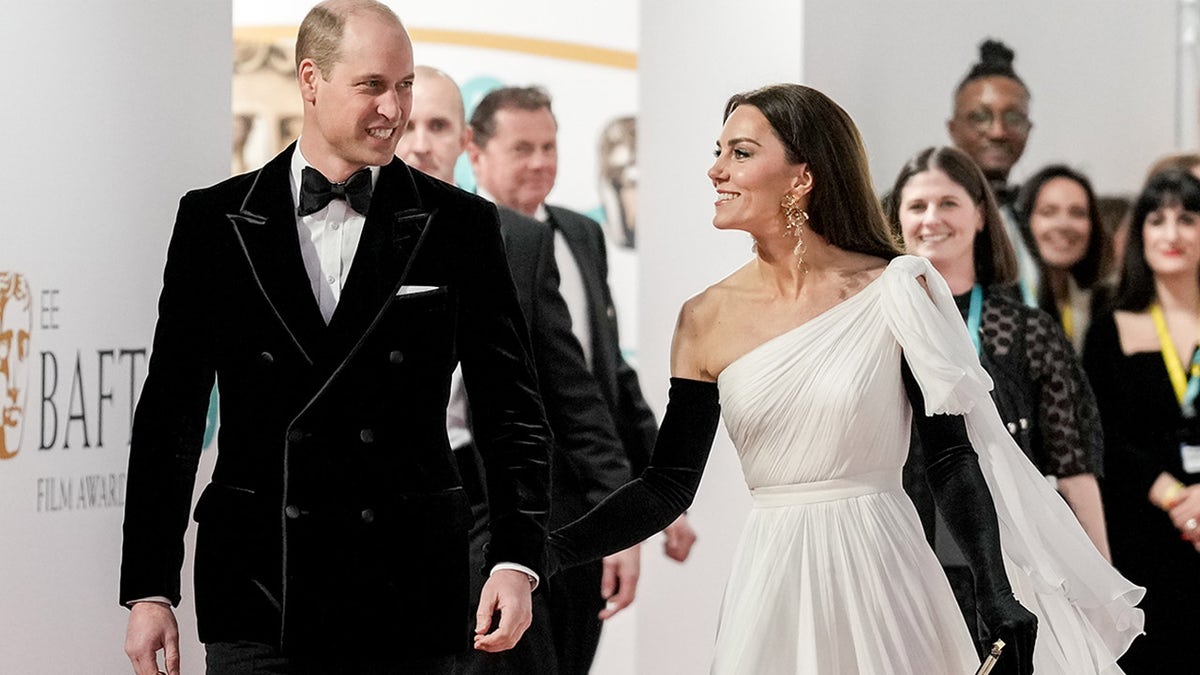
[
  {"x": 152, "y": 627},
  {"x": 506, "y": 592},
  {"x": 678, "y": 539},
  {"x": 618, "y": 586}
]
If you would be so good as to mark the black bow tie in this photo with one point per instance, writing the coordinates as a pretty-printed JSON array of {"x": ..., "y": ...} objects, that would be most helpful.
[
  {"x": 316, "y": 191},
  {"x": 1006, "y": 195}
]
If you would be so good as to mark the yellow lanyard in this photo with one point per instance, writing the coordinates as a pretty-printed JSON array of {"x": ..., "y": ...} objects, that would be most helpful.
[
  {"x": 1179, "y": 380},
  {"x": 1068, "y": 319}
]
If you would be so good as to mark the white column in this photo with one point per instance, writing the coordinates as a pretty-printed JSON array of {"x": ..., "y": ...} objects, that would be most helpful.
[
  {"x": 113, "y": 108},
  {"x": 691, "y": 59}
]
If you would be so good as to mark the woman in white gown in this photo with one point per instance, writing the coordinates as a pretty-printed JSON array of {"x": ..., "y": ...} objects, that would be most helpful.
[{"x": 807, "y": 350}]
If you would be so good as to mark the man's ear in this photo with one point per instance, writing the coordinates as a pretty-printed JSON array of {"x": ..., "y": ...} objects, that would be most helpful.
[
  {"x": 467, "y": 139},
  {"x": 473, "y": 151},
  {"x": 308, "y": 75}
]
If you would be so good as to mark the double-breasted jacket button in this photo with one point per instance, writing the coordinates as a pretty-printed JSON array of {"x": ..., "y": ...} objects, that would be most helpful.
[
  {"x": 295, "y": 435},
  {"x": 396, "y": 356},
  {"x": 267, "y": 358},
  {"x": 292, "y": 511},
  {"x": 366, "y": 436},
  {"x": 368, "y": 515}
]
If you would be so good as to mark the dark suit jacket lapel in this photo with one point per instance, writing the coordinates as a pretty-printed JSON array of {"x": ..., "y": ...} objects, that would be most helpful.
[
  {"x": 578, "y": 238},
  {"x": 266, "y": 228},
  {"x": 394, "y": 229}
]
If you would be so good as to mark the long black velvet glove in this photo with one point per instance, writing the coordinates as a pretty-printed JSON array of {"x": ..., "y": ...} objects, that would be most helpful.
[
  {"x": 962, "y": 495},
  {"x": 665, "y": 489}
]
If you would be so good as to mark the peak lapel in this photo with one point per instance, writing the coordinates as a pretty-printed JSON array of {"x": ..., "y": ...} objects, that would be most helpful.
[{"x": 266, "y": 229}]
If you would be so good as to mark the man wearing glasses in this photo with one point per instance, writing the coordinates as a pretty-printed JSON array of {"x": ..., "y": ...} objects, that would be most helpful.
[{"x": 991, "y": 124}]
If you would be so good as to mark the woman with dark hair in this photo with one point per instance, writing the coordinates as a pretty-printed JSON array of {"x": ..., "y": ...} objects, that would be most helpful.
[
  {"x": 1137, "y": 358},
  {"x": 817, "y": 351},
  {"x": 1057, "y": 209},
  {"x": 941, "y": 205}
]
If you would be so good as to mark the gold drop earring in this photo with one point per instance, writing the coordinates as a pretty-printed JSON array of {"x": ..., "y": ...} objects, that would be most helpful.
[{"x": 796, "y": 218}]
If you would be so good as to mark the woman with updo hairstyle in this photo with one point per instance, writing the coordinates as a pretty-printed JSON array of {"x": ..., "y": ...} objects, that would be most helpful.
[
  {"x": 1057, "y": 210},
  {"x": 819, "y": 352},
  {"x": 1142, "y": 360}
]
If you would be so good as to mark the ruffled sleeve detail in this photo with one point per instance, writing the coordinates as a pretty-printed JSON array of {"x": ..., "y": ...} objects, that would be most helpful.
[
  {"x": 928, "y": 327},
  {"x": 1087, "y": 611}
]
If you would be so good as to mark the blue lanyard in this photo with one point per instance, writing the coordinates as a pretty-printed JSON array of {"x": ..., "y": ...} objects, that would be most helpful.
[{"x": 975, "y": 317}]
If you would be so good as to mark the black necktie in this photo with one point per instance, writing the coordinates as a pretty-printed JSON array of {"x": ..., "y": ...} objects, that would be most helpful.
[{"x": 316, "y": 191}]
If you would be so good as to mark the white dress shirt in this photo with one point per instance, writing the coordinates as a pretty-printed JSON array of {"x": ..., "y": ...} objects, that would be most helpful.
[{"x": 328, "y": 240}]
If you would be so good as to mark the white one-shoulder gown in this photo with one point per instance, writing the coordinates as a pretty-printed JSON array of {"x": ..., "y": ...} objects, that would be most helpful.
[{"x": 832, "y": 574}]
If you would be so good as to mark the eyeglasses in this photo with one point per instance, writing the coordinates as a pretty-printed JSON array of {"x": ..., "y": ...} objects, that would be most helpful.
[{"x": 982, "y": 119}]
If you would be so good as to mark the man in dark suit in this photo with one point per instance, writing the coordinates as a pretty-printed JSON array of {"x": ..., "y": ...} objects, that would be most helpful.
[
  {"x": 588, "y": 461},
  {"x": 331, "y": 294},
  {"x": 514, "y": 154}
]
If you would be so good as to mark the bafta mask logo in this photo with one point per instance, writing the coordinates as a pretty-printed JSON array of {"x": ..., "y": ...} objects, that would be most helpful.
[{"x": 16, "y": 321}]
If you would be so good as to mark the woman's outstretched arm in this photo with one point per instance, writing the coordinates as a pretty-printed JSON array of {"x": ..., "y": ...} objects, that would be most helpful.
[{"x": 649, "y": 503}]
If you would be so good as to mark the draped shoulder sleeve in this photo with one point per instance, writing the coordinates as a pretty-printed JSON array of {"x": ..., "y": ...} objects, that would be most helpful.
[
  {"x": 1087, "y": 611},
  {"x": 929, "y": 328}
]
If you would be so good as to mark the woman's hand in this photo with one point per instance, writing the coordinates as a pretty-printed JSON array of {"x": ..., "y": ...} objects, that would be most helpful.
[
  {"x": 1007, "y": 620},
  {"x": 1185, "y": 514}
]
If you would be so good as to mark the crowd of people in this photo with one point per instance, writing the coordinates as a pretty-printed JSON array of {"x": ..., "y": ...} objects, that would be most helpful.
[
  {"x": 410, "y": 451},
  {"x": 1091, "y": 346}
]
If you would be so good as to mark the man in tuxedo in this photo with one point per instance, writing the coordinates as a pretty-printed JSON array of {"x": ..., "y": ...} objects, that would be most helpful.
[
  {"x": 332, "y": 294},
  {"x": 513, "y": 152},
  {"x": 588, "y": 461}
]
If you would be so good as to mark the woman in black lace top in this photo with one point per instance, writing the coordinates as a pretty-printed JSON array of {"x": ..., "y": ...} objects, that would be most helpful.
[
  {"x": 942, "y": 207},
  {"x": 1141, "y": 374}
]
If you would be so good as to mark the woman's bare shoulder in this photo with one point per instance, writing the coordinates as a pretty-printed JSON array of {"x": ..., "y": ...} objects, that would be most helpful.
[{"x": 699, "y": 317}]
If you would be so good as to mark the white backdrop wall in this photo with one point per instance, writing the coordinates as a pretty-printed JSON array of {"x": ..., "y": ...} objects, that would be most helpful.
[
  {"x": 688, "y": 67},
  {"x": 1102, "y": 75},
  {"x": 113, "y": 109}
]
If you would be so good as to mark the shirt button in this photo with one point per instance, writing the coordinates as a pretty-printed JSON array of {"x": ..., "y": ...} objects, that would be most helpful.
[
  {"x": 292, "y": 512},
  {"x": 396, "y": 357},
  {"x": 331, "y": 279},
  {"x": 267, "y": 358},
  {"x": 366, "y": 436},
  {"x": 295, "y": 435},
  {"x": 335, "y": 226},
  {"x": 368, "y": 515}
]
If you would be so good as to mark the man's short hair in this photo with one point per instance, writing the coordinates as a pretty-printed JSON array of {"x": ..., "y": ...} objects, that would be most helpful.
[
  {"x": 483, "y": 120},
  {"x": 320, "y": 35}
]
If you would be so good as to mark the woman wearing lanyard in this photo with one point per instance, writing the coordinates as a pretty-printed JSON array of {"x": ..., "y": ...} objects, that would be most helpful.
[
  {"x": 1138, "y": 360},
  {"x": 1057, "y": 208},
  {"x": 943, "y": 208}
]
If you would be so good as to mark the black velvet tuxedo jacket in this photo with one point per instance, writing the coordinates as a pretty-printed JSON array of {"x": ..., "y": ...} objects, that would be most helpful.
[
  {"x": 635, "y": 421},
  {"x": 335, "y": 518},
  {"x": 589, "y": 461}
]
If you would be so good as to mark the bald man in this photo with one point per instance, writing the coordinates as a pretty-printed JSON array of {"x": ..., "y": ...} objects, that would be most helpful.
[{"x": 588, "y": 460}]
